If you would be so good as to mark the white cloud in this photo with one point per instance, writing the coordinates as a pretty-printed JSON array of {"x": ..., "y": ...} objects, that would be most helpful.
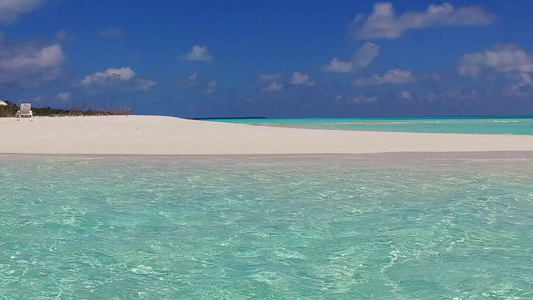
[
  {"x": 384, "y": 23},
  {"x": 144, "y": 84},
  {"x": 212, "y": 87},
  {"x": 361, "y": 99},
  {"x": 29, "y": 66},
  {"x": 198, "y": 53},
  {"x": 508, "y": 59},
  {"x": 396, "y": 76},
  {"x": 362, "y": 57},
  {"x": 107, "y": 75},
  {"x": 273, "y": 87},
  {"x": 433, "y": 96},
  {"x": 110, "y": 32},
  {"x": 339, "y": 66},
  {"x": 46, "y": 57},
  {"x": 470, "y": 94},
  {"x": 301, "y": 79},
  {"x": 526, "y": 78},
  {"x": 11, "y": 9},
  {"x": 269, "y": 77},
  {"x": 502, "y": 58},
  {"x": 406, "y": 95},
  {"x": 190, "y": 82},
  {"x": 518, "y": 89},
  {"x": 123, "y": 77},
  {"x": 63, "y": 96}
]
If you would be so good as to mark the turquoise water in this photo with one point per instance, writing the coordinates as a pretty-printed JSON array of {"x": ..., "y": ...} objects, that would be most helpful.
[
  {"x": 317, "y": 227},
  {"x": 498, "y": 125}
]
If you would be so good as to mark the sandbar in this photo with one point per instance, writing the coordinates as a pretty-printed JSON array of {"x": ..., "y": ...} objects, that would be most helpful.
[{"x": 161, "y": 135}]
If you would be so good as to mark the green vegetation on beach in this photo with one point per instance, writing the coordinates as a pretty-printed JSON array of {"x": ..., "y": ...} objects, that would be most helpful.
[{"x": 76, "y": 109}]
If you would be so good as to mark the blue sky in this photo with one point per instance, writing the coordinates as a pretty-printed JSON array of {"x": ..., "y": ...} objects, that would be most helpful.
[{"x": 287, "y": 58}]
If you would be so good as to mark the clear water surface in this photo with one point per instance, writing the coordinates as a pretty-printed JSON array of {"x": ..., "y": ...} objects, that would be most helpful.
[
  {"x": 479, "y": 125},
  {"x": 312, "y": 227}
]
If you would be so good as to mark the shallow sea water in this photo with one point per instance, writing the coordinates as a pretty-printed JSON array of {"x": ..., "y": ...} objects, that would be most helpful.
[
  {"x": 301, "y": 227},
  {"x": 480, "y": 125}
]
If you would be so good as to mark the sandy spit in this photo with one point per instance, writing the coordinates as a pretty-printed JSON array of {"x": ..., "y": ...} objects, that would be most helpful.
[{"x": 159, "y": 135}]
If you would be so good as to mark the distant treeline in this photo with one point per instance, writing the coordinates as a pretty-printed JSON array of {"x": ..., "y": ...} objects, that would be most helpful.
[{"x": 76, "y": 109}]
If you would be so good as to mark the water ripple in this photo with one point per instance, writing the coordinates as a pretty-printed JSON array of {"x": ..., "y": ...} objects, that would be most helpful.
[{"x": 256, "y": 228}]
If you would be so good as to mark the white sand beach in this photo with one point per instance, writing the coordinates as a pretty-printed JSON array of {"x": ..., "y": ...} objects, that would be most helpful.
[{"x": 159, "y": 135}]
